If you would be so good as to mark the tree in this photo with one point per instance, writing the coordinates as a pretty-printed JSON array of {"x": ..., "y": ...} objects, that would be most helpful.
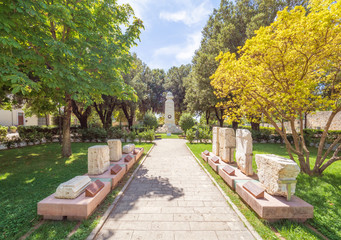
[
  {"x": 82, "y": 112},
  {"x": 156, "y": 90},
  {"x": 227, "y": 29},
  {"x": 105, "y": 109},
  {"x": 175, "y": 83},
  {"x": 288, "y": 69},
  {"x": 74, "y": 49},
  {"x": 150, "y": 120},
  {"x": 186, "y": 122}
]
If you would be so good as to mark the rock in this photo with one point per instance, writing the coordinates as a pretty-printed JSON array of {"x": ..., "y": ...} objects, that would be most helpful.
[
  {"x": 128, "y": 148},
  {"x": 72, "y": 188},
  {"x": 215, "y": 141},
  {"x": 227, "y": 144},
  {"x": 244, "y": 151},
  {"x": 274, "y": 172},
  {"x": 115, "y": 149},
  {"x": 98, "y": 159}
]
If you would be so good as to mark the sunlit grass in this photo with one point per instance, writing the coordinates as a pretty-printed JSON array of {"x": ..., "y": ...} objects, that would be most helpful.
[
  {"x": 28, "y": 175},
  {"x": 324, "y": 193}
]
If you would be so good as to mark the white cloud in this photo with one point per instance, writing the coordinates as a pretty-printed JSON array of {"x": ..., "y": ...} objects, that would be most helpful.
[
  {"x": 183, "y": 53},
  {"x": 192, "y": 13}
]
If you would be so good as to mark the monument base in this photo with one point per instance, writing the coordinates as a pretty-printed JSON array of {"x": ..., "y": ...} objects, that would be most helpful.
[{"x": 169, "y": 128}]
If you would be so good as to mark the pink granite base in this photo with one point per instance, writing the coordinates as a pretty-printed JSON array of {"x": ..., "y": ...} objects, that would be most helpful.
[
  {"x": 273, "y": 208},
  {"x": 230, "y": 180},
  {"x": 215, "y": 166},
  {"x": 115, "y": 178},
  {"x": 139, "y": 154},
  {"x": 204, "y": 157},
  {"x": 73, "y": 209}
]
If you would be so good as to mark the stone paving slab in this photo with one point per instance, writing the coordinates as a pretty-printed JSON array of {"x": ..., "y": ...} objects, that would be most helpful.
[{"x": 171, "y": 197}]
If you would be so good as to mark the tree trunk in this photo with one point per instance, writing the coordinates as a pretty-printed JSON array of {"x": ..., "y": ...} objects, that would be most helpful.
[
  {"x": 105, "y": 110},
  {"x": 208, "y": 113},
  {"x": 66, "y": 144},
  {"x": 220, "y": 118},
  {"x": 235, "y": 125},
  {"x": 129, "y": 116},
  {"x": 81, "y": 115}
]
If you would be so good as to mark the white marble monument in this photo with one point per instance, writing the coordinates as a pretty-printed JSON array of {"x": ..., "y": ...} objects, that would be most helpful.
[
  {"x": 170, "y": 115},
  {"x": 227, "y": 144},
  {"x": 277, "y": 174},
  {"x": 98, "y": 159},
  {"x": 72, "y": 188},
  {"x": 215, "y": 141},
  {"x": 244, "y": 151},
  {"x": 115, "y": 149}
]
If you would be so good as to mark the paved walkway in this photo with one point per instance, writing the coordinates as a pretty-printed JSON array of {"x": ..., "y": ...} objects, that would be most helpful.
[{"x": 172, "y": 198}]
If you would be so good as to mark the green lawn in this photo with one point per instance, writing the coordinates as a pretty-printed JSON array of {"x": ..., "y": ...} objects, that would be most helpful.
[
  {"x": 28, "y": 175},
  {"x": 324, "y": 193}
]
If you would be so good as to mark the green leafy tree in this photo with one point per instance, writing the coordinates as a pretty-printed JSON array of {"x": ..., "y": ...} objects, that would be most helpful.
[
  {"x": 186, "y": 122},
  {"x": 150, "y": 120},
  {"x": 75, "y": 50}
]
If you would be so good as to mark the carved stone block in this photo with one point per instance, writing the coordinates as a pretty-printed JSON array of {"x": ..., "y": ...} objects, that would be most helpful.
[
  {"x": 128, "y": 148},
  {"x": 215, "y": 140},
  {"x": 255, "y": 190},
  {"x": 277, "y": 174},
  {"x": 72, "y": 188},
  {"x": 98, "y": 159},
  {"x": 94, "y": 188},
  {"x": 227, "y": 138},
  {"x": 115, "y": 149},
  {"x": 244, "y": 151},
  {"x": 115, "y": 169}
]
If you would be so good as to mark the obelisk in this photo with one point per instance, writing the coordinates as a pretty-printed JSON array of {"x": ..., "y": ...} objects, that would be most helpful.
[{"x": 170, "y": 115}]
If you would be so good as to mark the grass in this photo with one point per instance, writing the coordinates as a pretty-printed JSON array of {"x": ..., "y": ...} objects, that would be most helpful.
[
  {"x": 28, "y": 175},
  {"x": 172, "y": 136},
  {"x": 324, "y": 193}
]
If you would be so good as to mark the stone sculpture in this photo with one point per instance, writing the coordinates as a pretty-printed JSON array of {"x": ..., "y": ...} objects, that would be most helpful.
[
  {"x": 128, "y": 148},
  {"x": 115, "y": 149},
  {"x": 98, "y": 159},
  {"x": 244, "y": 151},
  {"x": 72, "y": 188},
  {"x": 227, "y": 144},
  {"x": 215, "y": 141},
  {"x": 277, "y": 174}
]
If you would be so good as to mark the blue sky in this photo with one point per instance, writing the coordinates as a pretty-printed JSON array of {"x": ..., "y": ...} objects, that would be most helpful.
[{"x": 172, "y": 29}]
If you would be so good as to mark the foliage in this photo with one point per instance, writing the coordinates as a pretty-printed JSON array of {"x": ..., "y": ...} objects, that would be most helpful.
[
  {"x": 322, "y": 192},
  {"x": 186, "y": 122},
  {"x": 190, "y": 135},
  {"x": 132, "y": 136},
  {"x": 63, "y": 51},
  {"x": 115, "y": 132},
  {"x": 288, "y": 69},
  {"x": 93, "y": 133},
  {"x": 149, "y": 135},
  {"x": 3, "y": 133},
  {"x": 150, "y": 120},
  {"x": 227, "y": 29},
  {"x": 39, "y": 170}
]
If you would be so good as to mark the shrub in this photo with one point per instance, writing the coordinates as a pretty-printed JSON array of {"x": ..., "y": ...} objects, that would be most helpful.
[
  {"x": 186, "y": 122},
  {"x": 132, "y": 136},
  {"x": 3, "y": 133},
  {"x": 115, "y": 132},
  {"x": 13, "y": 129},
  {"x": 149, "y": 135},
  {"x": 150, "y": 120},
  {"x": 140, "y": 136},
  {"x": 125, "y": 135},
  {"x": 190, "y": 135}
]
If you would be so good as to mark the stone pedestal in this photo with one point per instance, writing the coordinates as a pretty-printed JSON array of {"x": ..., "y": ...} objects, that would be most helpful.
[
  {"x": 244, "y": 151},
  {"x": 277, "y": 174},
  {"x": 72, "y": 188},
  {"x": 227, "y": 144},
  {"x": 115, "y": 149},
  {"x": 98, "y": 159},
  {"x": 215, "y": 141}
]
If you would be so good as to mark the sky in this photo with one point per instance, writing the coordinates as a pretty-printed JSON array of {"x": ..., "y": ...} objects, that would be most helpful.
[{"x": 172, "y": 29}]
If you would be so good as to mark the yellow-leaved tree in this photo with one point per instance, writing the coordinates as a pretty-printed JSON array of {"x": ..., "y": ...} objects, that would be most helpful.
[{"x": 290, "y": 68}]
